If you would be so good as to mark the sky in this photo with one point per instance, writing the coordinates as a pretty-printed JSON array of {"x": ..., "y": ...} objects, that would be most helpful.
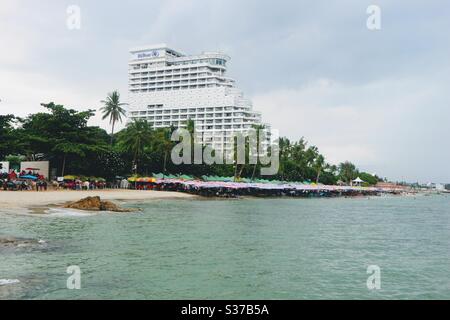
[{"x": 379, "y": 98}]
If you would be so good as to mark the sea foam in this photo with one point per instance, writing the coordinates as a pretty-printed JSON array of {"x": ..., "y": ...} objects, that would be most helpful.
[
  {"x": 62, "y": 212},
  {"x": 5, "y": 282}
]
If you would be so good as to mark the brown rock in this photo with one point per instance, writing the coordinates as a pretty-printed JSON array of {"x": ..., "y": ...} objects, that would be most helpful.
[{"x": 96, "y": 204}]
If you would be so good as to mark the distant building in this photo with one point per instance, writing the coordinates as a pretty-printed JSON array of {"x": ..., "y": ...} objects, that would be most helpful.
[
  {"x": 390, "y": 185},
  {"x": 42, "y": 167},
  {"x": 167, "y": 88},
  {"x": 4, "y": 167}
]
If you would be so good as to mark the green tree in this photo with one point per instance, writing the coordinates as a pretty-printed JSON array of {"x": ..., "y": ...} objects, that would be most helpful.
[
  {"x": 163, "y": 145},
  {"x": 258, "y": 129},
  {"x": 7, "y": 136},
  {"x": 14, "y": 160},
  {"x": 113, "y": 110},
  {"x": 135, "y": 139},
  {"x": 319, "y": 164},
  {"x": 347, "y": 172},
  {"x": 368, "y": 178},
  {"x": 62, "y": 134}
]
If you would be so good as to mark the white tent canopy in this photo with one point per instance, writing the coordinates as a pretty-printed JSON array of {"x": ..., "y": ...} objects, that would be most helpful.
[{"x": 358, "y": 180}]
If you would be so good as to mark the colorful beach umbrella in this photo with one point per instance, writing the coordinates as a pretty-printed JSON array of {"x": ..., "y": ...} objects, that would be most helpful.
[{"x": 28, "y": 177}]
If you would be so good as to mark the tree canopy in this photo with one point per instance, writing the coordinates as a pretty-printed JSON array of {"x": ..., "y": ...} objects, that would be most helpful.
[{"x": 63, "y": 137}]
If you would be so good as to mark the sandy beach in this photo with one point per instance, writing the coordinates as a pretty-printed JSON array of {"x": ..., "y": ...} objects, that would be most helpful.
[{"x": 27, "y": 199}]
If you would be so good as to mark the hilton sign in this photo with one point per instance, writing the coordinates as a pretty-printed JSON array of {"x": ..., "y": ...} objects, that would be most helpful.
[{"x": 148, "y": 54}]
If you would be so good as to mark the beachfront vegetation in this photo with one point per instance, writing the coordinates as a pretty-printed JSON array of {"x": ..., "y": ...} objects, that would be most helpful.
[{"x": 64, "y": 137}]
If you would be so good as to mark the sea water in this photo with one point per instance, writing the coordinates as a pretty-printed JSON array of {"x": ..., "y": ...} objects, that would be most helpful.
[{"x": 235, "y": 249}]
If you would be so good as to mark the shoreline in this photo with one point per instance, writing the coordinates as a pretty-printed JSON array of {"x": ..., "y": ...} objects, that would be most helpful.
[{"x": 31, "y": 199}]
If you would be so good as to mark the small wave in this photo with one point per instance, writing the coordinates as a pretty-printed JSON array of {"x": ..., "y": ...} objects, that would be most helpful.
[
  {"x": 5, "y": 282},
  {"x": 61, "y": 212}
]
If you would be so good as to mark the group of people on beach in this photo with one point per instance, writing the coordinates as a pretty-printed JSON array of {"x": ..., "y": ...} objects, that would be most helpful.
[
  {"x": 22, "y": 181},
  {"x": 32, "y": 180},
  {"x": 80, "y": 185}
]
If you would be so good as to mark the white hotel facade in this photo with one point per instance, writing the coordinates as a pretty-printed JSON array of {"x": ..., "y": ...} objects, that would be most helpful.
[{"x": 167, "y": 88}]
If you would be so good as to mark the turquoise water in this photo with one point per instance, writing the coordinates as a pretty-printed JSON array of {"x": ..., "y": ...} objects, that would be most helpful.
[{"x": 237, "y": 249}]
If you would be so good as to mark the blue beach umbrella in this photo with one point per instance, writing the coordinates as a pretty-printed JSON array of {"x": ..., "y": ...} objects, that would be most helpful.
[{"x": 28, "y": 177}]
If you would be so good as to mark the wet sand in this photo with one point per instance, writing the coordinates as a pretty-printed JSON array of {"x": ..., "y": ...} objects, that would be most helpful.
[{"x": 27, "y": 199}]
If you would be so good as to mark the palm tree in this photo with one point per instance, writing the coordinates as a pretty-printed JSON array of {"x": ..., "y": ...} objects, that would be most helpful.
[
  {"x": 347, "y": 171},
  {"x": 164, "y": 144},
  {"x": 318, "y": 166},
  {"x": 113, "y": 109},
  {"x": 135, "y": 138}
]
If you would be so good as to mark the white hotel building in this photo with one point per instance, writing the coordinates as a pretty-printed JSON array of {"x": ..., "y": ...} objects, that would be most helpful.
[{"x": 167, "y": 88}]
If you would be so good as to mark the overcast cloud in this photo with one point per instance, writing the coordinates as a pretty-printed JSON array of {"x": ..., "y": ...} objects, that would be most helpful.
[{"x": 378, "y": 98}]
